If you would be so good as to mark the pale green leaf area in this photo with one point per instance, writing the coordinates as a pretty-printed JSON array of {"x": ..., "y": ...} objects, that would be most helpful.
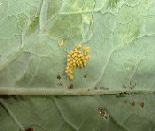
[
  {"x": 119, "y": 77},
  {"x": 78, "y": 113}
]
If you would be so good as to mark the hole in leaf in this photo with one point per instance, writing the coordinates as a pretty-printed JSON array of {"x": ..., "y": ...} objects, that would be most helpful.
[{"x": 122, "y": 94}]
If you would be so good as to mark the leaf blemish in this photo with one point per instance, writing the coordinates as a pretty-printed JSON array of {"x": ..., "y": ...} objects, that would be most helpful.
[
  {"x": 122, "y": 94},
  {"x": 142, "y": 104},
  {"x": 58, "y": 77},
  {"x": 71, "y": 86},
  {"x": 29, "y": 129},
  {"x": 61, "y": 43},
  {"x": 133, "y": 103},
  {"x": 103, "y": 113},
  {"x": 85, "y": 76}
]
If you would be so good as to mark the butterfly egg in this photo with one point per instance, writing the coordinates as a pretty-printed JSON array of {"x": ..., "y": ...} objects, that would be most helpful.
[
  {"x": 67, "y": 67},
  {"x": 84, "y": 64},
  {"x": 76, "y": 58},
  {"x": 68, "y": 56},
  {"x": 86, "y": 49},
  {"x": 70, "y": 53},
  {"x": 78, "y": 64},
  {"x": 82, "y": 57},
  {"x": 84, "y": 61},
  {"x": 78, "y": 52},
  {"x": 81, "y": 66},
  {"x": 85, "y": 53},
  {"x": 75, "y": 50},
  {"x": 74, "y": 61},
  {"x": 69, "y": 59},
  {"x": 66, "y": 71},
  {"x": 71, "y": 77},
  {"x": 74, "y": 64},
  {"x": 79, "y": 55},
  {"x": 79, "y": 46},
  {"x": 70, "y": 69},
  {"x": 87, "y": 57},
  {"x": 70, "y": 62},
  {"x": 75, "y": 54},
  {"x": 61, "y": 44}
]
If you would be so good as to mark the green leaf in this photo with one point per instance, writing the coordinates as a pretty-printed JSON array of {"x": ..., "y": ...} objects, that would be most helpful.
[
  {"x": 121, "y": 43},
  {"x": 78, "y": 113}
]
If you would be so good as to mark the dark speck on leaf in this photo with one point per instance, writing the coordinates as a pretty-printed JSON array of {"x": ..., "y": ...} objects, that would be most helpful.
[
  {"x": 104, "y": 114},
  {"x": 125, "y": 93},
  {"x": 142, "y": 104},
  {"x": 29, "y": 129},
  {"x": 58, "y": 77},
  {"x": 133, "y": 103},
  {"x": 120, "y": 95},
  {"x": 85, "y": 76},
  {"x": 70, "y": 86}
]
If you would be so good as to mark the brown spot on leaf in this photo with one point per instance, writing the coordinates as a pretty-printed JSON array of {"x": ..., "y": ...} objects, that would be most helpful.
[
  {"x": 125, "y": 93},
  {"x": 71, "y": 86},
  {"x": 104, "y": 114},
  {"x": 85, "y": 75},
  {"x": 133, "y": 103},
  {"x": 120, "y": 94},
  {"x": 58, "y": 77},
  {"x": 29, "y": 129},
  {"x": 142, "y": 104}
]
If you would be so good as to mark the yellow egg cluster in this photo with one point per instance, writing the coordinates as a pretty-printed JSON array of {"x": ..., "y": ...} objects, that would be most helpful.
[{"x": 76, "y": 58}]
